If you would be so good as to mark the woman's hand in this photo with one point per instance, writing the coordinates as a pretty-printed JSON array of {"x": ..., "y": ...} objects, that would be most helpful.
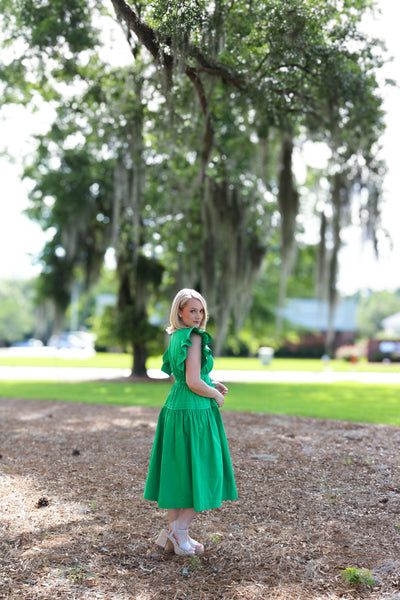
[
  {"x": 219, "y": 398},
  {"x": 220, "y": 387}
]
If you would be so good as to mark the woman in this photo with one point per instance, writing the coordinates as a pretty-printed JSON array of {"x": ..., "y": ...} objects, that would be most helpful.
[{"x": 190, "y": 468}]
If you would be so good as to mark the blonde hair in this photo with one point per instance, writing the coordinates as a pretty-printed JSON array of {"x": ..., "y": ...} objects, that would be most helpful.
[{"x": 180, "y": 300}]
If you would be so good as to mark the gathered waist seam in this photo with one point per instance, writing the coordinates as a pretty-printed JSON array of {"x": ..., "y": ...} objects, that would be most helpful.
[
  {"x": 188, "y": 409},
  {"x": 183, "y": 383}
]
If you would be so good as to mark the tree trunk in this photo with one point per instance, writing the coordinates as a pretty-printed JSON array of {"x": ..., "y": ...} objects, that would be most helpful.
[
  {"x": 321, "y": 270},
  {"x": 339, "y": 197},
  {"x": 233, "y": 253},
  {"x": 288, "y": 202},
  {"x": 139, "y": 360},
  {"x": 129, "y": 185}
]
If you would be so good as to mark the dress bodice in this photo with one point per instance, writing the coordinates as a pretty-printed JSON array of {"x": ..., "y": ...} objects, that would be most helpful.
[{"x": 176, "y": 354}]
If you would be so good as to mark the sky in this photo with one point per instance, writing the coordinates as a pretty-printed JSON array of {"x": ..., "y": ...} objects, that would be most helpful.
[
  {"x": 21, "y": 240},
  {"x": 359, "y": 270}
]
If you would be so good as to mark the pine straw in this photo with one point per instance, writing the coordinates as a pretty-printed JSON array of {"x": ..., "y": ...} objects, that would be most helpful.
[{"x": 315, "y": 497}]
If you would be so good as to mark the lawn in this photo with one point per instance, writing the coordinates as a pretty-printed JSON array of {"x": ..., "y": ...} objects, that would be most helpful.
[
  {"x": 342, "y": 401},
  {"x": 103, "y": 360}
]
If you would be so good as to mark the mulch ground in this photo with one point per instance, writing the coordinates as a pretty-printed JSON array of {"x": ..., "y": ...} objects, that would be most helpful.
[{"x": 315, "y": 497}]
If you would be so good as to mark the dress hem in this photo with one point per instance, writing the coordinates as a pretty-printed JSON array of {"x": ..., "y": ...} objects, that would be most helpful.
[{"x": 213, "y": 507}]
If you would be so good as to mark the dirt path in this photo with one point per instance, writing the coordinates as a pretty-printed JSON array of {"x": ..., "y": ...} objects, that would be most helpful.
[{"x": 315, "y": 497}]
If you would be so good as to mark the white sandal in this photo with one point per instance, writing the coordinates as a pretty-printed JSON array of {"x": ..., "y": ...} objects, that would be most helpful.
[
  {"x": 198, "y": 548},
  {"x": 162, "y": 539},
  {"x": 185, "y": 549}
]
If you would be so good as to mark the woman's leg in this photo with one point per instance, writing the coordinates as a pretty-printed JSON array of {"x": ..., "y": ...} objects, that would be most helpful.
[
  {"x": 185, "y": 518},
  {"x": 173, "y": 515},
  {"x": 182, "y": 516},
  {"x": 179, "y": 523}
]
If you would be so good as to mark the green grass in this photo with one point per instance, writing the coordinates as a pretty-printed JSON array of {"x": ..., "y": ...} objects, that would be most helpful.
[
  {"x": 92, "y": 392},
  {"x": 103, "y": 360},
  {"x": 341, "y": 401},
  {"x": 302, "y": 364}
]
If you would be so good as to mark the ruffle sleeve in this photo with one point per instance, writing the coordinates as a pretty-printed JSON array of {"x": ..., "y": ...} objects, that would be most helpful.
[
  {"x": 179, "y": 344},
  {"x": 166, "y": 365}
]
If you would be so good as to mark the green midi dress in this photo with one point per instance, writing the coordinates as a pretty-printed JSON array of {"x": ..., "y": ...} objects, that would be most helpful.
[{"x": 190, "y": 466}]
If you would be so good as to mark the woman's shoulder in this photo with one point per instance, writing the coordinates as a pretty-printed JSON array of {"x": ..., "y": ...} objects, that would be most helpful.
[{"x": 186, "y": 332}]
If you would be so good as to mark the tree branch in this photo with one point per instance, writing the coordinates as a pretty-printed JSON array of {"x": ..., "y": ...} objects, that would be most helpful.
[
  {"x": 147, "y": 36},
  {"x": 209, "y": 134},
  {"x": 213, "y": 68}
]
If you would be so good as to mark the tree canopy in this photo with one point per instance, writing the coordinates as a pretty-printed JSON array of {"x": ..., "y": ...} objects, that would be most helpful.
[{"x": 183, "y": 160}]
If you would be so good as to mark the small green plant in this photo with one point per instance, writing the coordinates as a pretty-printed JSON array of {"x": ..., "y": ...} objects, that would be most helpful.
[
  {"x": 79, "y": 573},
  {"x": 76, "y": 574},
  {"x": 216, "y": 538},
  {"x": 397, "y": 525},
  {"x": 332, "y": 496},
  {"x": 93, "y": 505},
  {"x": 347, "y": 460},
  {"x": 195, "y": 564},
  {"x": 357, "y": 576},
  {"x": 369, "y": 460}
]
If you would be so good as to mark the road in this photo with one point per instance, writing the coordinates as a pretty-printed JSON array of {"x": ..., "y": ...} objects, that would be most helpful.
[{"x": 264, "y": 376}]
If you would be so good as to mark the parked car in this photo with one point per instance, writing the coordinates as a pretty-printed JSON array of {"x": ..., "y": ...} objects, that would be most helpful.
[
  {"x": 28, "y": 343},
  {"x": 78, "y": 340}
]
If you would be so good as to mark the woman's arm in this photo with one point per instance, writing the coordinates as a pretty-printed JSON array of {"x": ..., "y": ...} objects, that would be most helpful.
[{"x": 193, "y": 366}]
